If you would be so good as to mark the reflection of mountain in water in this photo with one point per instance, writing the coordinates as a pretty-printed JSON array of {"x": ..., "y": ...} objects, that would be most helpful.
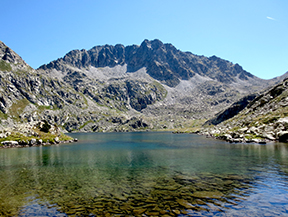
[{"x": 183, "y": 173}]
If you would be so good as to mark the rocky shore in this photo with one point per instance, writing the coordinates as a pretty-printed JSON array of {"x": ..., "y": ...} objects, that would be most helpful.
[
  {"x": 265, "y": 119},
  {"x": 262, "y": 134},
  {"x": 33, "y": 134}
]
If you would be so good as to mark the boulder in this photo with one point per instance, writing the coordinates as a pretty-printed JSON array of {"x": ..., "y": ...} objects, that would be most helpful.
[
  {"x": 269, "y": 135},
  {"x": 57, "y": 140},
  {"x": 284, "y": 122},
  {"x": 283, "y": 136},
  {"x": 9, "y": 143},
  {"x": 32, "y": 142},
  {"x": 226, "y": 137}
]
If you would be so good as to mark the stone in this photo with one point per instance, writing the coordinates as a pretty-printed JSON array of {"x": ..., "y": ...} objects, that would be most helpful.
[
  {"x": 32, "y": 141},
  {"x": 269, "y": 135},
  {"x": 9, "y": 143},
  {"x": 139, "y": 211},
  {"x": 57, "y": 140},
  {"x": 152, "y": 213},
  {"x": 185, "y": 203},
  {"x": 283, "y": 136},
  {"x": 208, "y": 194},
  {"x": 177, "y": 212}
]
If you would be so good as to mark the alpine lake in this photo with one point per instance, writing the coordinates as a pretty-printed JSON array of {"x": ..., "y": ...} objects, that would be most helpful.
[{"x": 144, "y": 174}]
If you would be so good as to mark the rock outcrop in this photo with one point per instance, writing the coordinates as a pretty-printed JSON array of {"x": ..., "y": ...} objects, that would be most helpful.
[
  {"x": 264, "y": 119},
  {"x": 32, "y": 134},
  {"x": 163, "y": 62}
]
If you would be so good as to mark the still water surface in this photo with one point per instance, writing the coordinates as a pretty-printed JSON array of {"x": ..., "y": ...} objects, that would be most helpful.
[{"x": 145, "y": 174}]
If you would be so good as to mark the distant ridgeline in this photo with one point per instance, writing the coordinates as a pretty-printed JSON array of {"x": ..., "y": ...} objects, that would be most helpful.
[{"x": 117, "y": 88}]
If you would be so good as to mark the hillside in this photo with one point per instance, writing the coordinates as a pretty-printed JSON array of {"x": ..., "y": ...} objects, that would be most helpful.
[
  {"x": 117, "y": 88},
  {"x": 264, "y": 119}
]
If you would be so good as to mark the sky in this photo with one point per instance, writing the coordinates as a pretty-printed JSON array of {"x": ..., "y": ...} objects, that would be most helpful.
[{"x": 252, "y": 33}]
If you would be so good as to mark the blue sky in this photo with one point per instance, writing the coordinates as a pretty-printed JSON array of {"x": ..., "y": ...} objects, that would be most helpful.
[{"x": 252, "y": 33}]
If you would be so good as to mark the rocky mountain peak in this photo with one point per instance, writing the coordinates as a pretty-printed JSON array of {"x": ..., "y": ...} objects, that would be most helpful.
[
  {"x": 163, "y": 62},
  {"x": 154, "y": 44},
  {"x": 122, "y": 88},
  {"x": 8, "y": 55}
]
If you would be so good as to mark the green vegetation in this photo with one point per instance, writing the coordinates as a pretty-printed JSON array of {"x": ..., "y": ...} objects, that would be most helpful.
[
  {"x": 3, "y": 116},
  {"x": 46, "y": 137},
  {"x": 17, "y": 108},
  {"x": 82, "y": 126},
  {"x": 16, "y": 136},
  {"x": 5, "y": 66},
  {"x": 190, "y": 126},
  {"x": 269, "y": 119}
]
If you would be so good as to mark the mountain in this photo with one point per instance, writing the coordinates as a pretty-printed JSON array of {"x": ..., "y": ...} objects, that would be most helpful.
[
  {"x": 263, "y": 119},
  {"x": 118, "y": 88},
  {"x": 162, "y": 62}
]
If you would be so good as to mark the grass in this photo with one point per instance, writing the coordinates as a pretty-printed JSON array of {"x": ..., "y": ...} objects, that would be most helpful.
[
  {"x": 82, "y": 126},
  {"x": 3, "y": 116},
  {"x": 16, "y": 136},
  {"x": 17, "y": 108},
  {"x": 38, "y": 134},
  {"x": 46, "y": 137},
  {"x": 5, "y": 66},
  {"x": 190, "y": 126}
]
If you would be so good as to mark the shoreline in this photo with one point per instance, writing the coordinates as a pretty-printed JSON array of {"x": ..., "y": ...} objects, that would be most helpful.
[{"x": 15, "y": 144}]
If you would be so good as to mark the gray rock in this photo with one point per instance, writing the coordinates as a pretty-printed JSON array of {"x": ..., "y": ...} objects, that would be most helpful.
[
  {"x": 57, "y": 140},
  {"x": 9, "y": 143},
  {"x": 283, "y": 136},
  {"x": 33, "y": 142},
  {"x": 269, "y": 135}
]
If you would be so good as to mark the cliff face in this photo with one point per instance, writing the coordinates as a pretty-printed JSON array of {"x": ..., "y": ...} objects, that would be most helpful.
[
  {"x": 263, "y": 119},
  {"x": 118, "y": 88}
]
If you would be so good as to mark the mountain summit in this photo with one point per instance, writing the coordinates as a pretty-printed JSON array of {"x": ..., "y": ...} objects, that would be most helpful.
[
  {"x": 118, "y": 88},
  {"x": 162, "y": 62}
]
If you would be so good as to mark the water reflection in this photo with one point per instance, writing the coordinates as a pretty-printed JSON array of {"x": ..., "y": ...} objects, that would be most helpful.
[{"x": 146, "y": 173}]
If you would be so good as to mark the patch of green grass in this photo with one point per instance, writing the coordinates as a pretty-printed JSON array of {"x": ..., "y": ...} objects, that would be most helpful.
[
  {"x": 3, "y": 116},
  {"x": 270, "y": 119},
  {"x": 15, "y": 136},
  {"x": 82, "y": 126},
  {"x": 253, "y": 136},
  {"x": 17, "y": 108},
  {"x": 43, "y": 107},
  {"x": 5, "y": 66}
]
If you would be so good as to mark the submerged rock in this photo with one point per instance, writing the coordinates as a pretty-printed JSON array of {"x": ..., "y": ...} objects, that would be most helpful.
[
  {"x": 185, "y": 204},
  {"x": 208, "y": 194}
]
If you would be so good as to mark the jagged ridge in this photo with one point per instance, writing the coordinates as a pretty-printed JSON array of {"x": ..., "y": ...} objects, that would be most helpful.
[
  {"x": 163, "y": 62},
  {"x": 117, "y": 88}
]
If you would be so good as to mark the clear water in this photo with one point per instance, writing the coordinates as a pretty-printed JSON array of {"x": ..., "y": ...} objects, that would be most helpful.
[{"x": 145, "y": 174}]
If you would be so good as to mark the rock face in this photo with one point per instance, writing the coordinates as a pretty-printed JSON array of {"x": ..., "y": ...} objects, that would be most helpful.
[
  {"x": 118, "y": 88},
  {"x": 231, "y": 111},
  {"x": 163, "y": 62},
  {"x": 263, "y": 119}
]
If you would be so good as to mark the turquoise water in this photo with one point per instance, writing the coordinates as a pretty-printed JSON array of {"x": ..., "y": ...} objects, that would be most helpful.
[{"x": 145, "y": 173}]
